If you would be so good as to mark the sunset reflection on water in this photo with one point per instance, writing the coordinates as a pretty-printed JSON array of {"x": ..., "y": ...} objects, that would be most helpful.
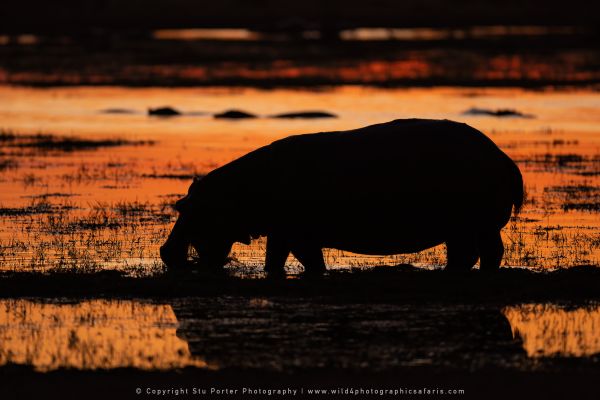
[
  {"x": 91, "y": 334},
  {"x": 549, "y": 330}
]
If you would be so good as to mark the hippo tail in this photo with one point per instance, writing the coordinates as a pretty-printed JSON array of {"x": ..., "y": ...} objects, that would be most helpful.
[{"x": 517, "y": 188}]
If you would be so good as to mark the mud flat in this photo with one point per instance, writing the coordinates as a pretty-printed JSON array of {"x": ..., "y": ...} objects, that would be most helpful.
[{"x": 384, "y": 284}]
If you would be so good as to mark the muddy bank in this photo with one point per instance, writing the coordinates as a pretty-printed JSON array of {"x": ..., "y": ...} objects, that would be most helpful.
[{"x": 387, "y": 284}]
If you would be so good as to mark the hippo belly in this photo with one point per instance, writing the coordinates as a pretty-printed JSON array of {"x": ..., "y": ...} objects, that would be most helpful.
[{"x": 387, "y": 229}]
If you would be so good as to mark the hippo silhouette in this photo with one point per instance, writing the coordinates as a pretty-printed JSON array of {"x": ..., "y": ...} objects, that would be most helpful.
[{"x": 397, "y": 187}]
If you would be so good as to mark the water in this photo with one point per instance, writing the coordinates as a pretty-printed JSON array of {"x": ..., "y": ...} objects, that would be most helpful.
[
  {"x": 280, "y": 334},
  {"x": 550, "y": 330},
  {"x": 110, "y": 207},
  {"x": 84, "y": 205},
  {"x": 91, "y": 334}
]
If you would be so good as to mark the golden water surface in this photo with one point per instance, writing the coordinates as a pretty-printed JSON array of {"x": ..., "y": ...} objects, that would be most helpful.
[
  {"x": 549, "y": 330},
  {"x": 92, "y": 334}
]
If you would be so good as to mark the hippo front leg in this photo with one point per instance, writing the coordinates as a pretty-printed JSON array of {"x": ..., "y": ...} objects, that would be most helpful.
[
  {"x": 277, "y": 253},
  {"x": 311, "y": 257},
  {"x": 174, "y": 252}
]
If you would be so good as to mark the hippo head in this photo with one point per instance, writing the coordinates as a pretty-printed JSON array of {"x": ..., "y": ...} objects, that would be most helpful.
[{"x": 207, "y": 224}]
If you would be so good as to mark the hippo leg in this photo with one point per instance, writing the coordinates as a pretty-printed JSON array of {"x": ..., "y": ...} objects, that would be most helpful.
[
  {"x": 311, "y": 257},
  {"x": 174, "y": 252},
  {"x": 491, "y": 250},
  {"x": 462, "y": 253},
  {"x": 277, "y": 253}
]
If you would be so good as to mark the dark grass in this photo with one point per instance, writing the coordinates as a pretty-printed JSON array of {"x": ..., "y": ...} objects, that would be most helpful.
[
  {"x": 591, "y": 207},
  {"x": 170, "y": 176},
  {"x": 573, "y": 189},
  {"x": 36, "y": 208},
  {"x": 46, "y": 141},
  {"x": 381, "y": 284},
  {"x": 20, "y": 211},
  {"x": 49, "y": 195},
  {"x": 73, "y": 144},
  {"x": 501, "y": 113},
  {"x": 8, "y": 164}
]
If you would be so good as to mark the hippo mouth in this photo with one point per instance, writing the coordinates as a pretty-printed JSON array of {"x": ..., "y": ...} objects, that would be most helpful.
[
  {"x": 214, "y": 256},
  {"x": 175, "y": 256},
  {"x": 212, "y": 250},
  {"x": 174, "y": 253}
]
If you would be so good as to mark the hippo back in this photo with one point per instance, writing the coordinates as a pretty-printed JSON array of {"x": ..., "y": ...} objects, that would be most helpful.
[
  {"x": 401, "y": 159},
  {"x": 412, "y": 173}
]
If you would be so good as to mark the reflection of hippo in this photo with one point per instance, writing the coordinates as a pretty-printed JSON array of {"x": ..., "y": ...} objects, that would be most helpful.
[{"x": 397, "y": 187}]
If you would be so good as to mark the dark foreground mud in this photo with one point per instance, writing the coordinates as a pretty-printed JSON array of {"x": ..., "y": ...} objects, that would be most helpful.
[
  {"x": 513, "y": 334},
  {"x": 402, "y": 283},
  {"x": 490, "y": 384}
]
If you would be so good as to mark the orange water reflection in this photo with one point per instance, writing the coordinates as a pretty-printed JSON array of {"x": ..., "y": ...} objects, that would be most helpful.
[
  {"x": 549, "y": 330},
  {"x": 369, "y": 34},
  {"x": 94, "y": 334},
  {"x": 205, "y": 34}
]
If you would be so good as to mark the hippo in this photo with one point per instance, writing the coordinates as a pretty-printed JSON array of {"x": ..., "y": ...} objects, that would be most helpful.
[{"x": 391, "y": 188}]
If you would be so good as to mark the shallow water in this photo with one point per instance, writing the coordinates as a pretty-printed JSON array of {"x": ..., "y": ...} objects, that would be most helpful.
[
  {"x": 550, "y": 330},
  {"x": 110, "y": 207},
  {"x": 91, "y": 334},
  {"x": 287, "y": 334}
]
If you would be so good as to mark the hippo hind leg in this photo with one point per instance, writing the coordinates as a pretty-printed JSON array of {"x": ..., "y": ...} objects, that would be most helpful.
[
  {"x": 311, "y": 257},
  {"x": 462, "y": 253},
  {"x": 491, "y": 250},
  {"x": 277, "y": 254}
]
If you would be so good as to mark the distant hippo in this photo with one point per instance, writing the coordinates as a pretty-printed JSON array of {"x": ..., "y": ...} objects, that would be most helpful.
[{"x": 397, "y": 187}]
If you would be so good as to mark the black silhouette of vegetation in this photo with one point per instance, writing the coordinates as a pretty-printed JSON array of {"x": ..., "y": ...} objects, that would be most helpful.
[
  {"x": 502, "y": 112},
  {"x": 234, "y": 114},
  {"x": 306, "y": 115},
  {"x": 43, "y": 141},
  {"x": 163, "y": 112}
]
